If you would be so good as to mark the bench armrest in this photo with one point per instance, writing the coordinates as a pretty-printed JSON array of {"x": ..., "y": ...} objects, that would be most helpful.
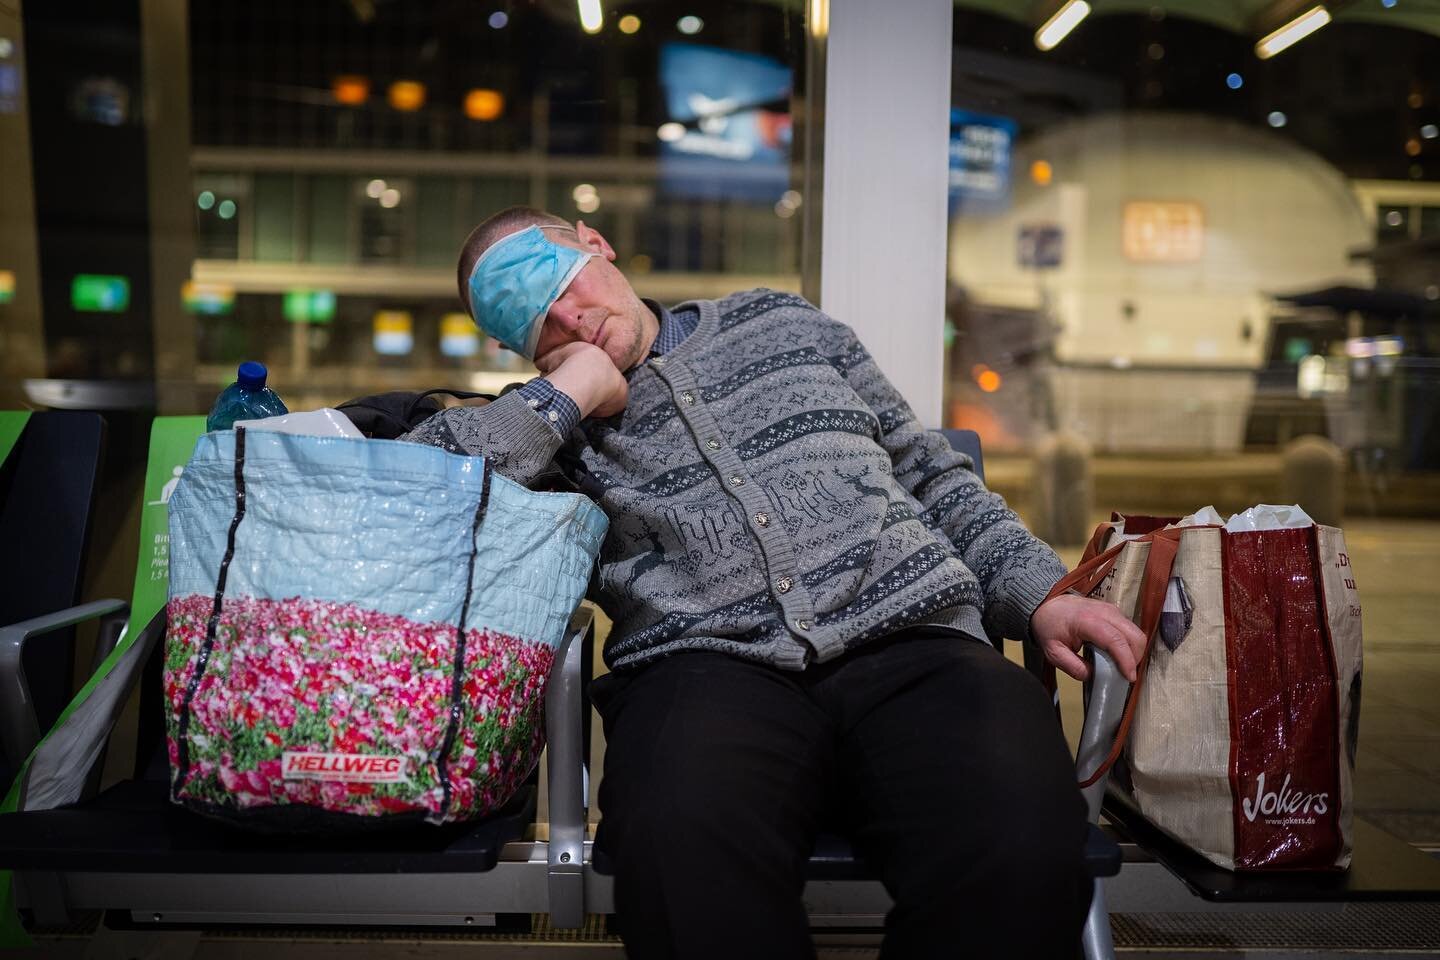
[
  {"x": 1106, "y": 693},
  {"x": 19, "y": 726},
  {"x": 564, "y": 732}
]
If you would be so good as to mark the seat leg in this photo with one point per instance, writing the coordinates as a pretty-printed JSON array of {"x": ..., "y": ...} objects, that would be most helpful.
[{"x": 1095, "y": 938}]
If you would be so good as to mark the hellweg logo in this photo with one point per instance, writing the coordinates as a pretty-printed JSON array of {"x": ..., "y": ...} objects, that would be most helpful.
[
  {"x": 1287, "y": 804},
  {"x": 361, "y": 768}
]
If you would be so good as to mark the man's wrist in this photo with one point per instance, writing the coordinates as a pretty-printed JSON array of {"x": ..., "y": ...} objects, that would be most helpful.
[
  {"x": 580, "y": 391},
  {"x": 557, "y": 407}
]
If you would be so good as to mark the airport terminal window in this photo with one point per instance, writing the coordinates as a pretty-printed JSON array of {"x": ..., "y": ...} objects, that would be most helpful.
[
  {"x": 359, "y": 143},
  {"x": 1182, "y": 250},
  {"x": 1430, "y": 221}
]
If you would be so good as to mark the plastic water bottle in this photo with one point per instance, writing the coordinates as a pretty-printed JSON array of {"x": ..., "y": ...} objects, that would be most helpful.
[{"x": 246, "y": 399}]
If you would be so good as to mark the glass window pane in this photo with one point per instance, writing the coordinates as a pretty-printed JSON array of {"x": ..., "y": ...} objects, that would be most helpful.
[
  {"x": 385, "y": 209},
  {"x": 220, "y": 203},
  {"x": 275, "y": 217},
  {"x": 1172, "y": 255},
  {"x": 329, "y": 219},
  {"x": 438, "y": 232},
  {"x": 375, "y": 137},
  {"x": 1430, "y": 221}
]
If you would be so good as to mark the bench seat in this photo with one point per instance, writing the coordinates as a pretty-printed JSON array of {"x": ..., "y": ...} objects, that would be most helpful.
[{"x": 134, "y": 828}]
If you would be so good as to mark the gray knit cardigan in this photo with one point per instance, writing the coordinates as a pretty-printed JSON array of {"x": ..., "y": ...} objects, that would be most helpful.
[{"x": 772, "y": 496}]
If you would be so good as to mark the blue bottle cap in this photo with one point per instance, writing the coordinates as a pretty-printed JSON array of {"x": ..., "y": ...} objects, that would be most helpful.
[{"x": 251, "y": 375}]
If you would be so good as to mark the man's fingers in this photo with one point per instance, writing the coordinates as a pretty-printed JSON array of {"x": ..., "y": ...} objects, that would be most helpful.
[
  {"x": 1065, "y": 660},
  {"x": 1108, "y": 637},
  {"x": 1133, "y": 635}
]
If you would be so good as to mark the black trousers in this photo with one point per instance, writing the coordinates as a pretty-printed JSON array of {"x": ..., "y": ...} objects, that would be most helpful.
[{"x": 940, "y": 759}]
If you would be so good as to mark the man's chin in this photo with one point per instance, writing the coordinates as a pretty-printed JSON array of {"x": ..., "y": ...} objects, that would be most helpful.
[{"x": 624, "y": 359}]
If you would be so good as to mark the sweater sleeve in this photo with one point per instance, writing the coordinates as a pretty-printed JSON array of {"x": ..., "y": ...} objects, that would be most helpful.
[
  {"x": 519, "y": 441},
  {"x": 1015, "y": 569}
]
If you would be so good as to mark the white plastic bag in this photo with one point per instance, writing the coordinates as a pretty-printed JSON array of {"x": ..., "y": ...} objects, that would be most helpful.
[{"x": 325, "y": 422}]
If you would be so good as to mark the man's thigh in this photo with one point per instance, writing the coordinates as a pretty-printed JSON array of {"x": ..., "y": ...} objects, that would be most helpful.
[
  {"x": 708, "y": 755},
  {"x": 954, "y": 768}
]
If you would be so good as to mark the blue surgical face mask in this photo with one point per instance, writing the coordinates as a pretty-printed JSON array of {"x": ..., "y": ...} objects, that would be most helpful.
[{"x": 516, "y": 281}]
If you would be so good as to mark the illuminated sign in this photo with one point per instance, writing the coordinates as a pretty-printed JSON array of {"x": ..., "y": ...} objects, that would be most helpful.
[
  {"x": 9, "y": 88},
  {"x": 979, "y": 162},
  {"x": 394, "y": 332},
  {"x": 100, "y": 293},
  {"x": 309, "y": 306},
  {"x": 458, "y": 337},
  {"x": 728, "y": 128},
  {"x": 209, "y": 299},
  {"x": 7, "y": 286},
  {"x": 1041, "y": 246},
  {"x": 1163, "y": 231}
]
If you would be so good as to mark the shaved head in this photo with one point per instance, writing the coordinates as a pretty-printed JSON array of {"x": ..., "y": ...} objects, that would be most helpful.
[{"x": 494, "y": 227}]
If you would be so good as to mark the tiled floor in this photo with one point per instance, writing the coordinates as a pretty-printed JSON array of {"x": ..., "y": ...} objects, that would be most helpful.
[{"x": 1397, "y": 570}]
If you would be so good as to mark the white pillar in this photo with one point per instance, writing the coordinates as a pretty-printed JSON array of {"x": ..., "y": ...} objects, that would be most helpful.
[{"x": 886, "y": 177}]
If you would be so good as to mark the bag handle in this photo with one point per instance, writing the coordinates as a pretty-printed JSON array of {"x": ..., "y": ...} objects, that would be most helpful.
[
  {"x": 212, "y": 625},
  {"x": 457, "y": 670},
  {"x": 1164, "y": 544},
  {"x": 1094, "y": 567}
]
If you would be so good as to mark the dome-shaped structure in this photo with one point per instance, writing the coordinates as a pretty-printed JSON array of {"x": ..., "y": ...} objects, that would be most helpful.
[{"x": 1175, "y": 227}]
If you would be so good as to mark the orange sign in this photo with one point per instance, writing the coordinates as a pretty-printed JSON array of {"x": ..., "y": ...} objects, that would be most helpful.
[{"x": 1158, "y": 231}]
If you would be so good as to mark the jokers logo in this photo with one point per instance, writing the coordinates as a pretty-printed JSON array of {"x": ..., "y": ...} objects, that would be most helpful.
[{"x": 1287, "y": 806}]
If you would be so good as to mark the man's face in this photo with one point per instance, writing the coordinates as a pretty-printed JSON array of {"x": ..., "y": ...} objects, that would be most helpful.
[{"x": 599, "y": 306}]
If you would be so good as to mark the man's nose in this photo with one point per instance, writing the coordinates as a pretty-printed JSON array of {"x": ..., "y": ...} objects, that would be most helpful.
[{"x": 564, "y": 316}]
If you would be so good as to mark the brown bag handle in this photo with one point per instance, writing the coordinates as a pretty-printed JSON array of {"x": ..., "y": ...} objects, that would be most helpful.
[
  {"x": 1164, "y": 544},
  {"x": 1093, "y": 568},
  {"x": 1097, "y": 540}
]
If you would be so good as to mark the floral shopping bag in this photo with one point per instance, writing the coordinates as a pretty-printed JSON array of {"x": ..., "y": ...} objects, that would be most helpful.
[{"x": 361, "y": 629}]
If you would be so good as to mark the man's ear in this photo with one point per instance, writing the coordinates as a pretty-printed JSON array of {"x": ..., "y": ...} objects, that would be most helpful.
[{"x": 591, "y": 240}]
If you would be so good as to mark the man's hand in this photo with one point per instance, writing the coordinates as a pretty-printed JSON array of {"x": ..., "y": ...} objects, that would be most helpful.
[
  {"x": 1061, "y": 625},
  {"x": 587, "y": 375}
]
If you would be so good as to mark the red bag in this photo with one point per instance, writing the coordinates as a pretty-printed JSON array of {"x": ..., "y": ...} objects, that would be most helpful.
[{"x": 1240, "y": 730}]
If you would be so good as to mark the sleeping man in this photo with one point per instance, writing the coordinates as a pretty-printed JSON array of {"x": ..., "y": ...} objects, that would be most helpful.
[{"x": 802, "y": 581}]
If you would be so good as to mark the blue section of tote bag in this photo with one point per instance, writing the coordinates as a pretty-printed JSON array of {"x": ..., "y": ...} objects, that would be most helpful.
[{"x": 385, "y": 525}]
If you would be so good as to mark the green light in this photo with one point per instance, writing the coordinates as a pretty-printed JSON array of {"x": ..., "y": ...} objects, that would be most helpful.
[
  {"x": 309, "y": 306},
  {"x": 297, "y": 306},
  {"x": 100, "y": 293},
  {"x": 227, "y": 209},
  {"x": 322, "y": 306},
  {"x": 206, "y": 200}
]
